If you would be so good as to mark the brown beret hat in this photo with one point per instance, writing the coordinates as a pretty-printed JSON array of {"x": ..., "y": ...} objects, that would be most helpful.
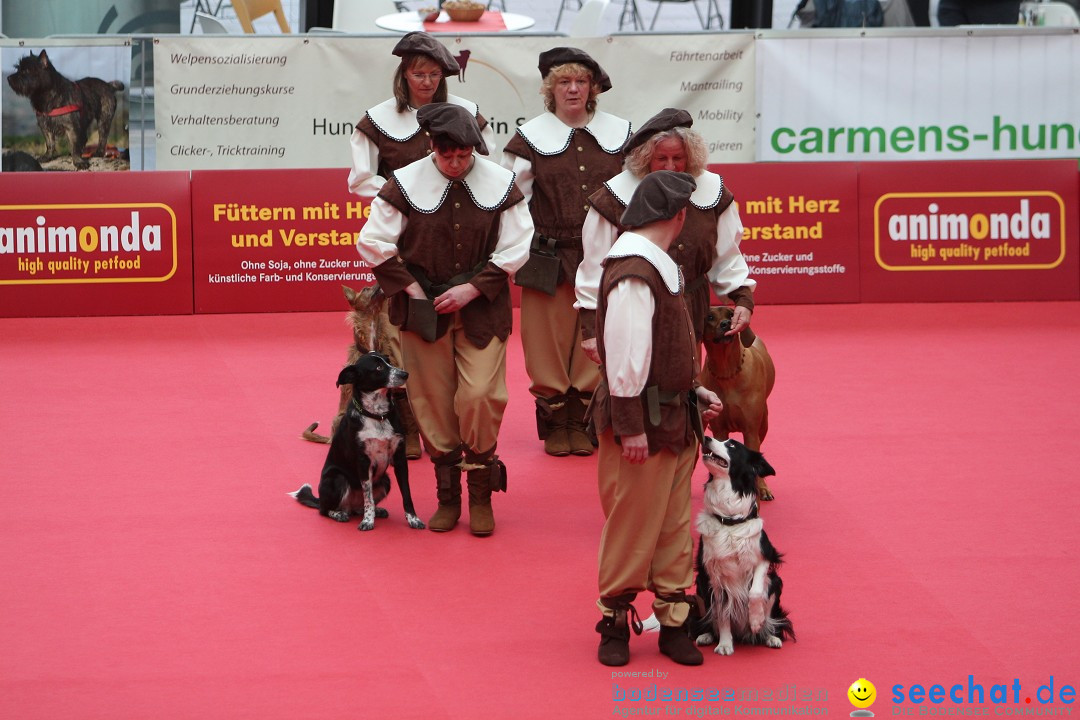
[
  {"x": 564, "y": 55},
  {"x": 453, "y": 122},
  {"x": 659, "y": 196},
  {"x": 662, "y": 121},
  {"x": 420, "y": 43}
]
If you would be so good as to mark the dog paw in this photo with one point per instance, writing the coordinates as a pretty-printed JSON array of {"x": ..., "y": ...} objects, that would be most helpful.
[
  {"x": 382, "y": 512},
  {"x": 415, "y": 523},
  {"x": 339, "y": 515},
  {"x": 366, "y": 525},
  {"x": 705, "y": 639},
  {"x": 774, "y": 642},
  {"x": 724, "y": 649}
]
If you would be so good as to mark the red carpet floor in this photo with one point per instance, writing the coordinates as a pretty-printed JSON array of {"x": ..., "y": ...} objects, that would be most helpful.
[{"x": 153, "y": 566}]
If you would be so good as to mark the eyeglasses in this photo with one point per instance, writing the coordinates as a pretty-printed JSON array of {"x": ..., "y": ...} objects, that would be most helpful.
[{"x": 421, "y": 77}]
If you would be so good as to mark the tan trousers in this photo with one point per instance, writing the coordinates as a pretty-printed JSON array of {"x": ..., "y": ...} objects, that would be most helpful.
[
  {"x": 457, "y": 391},
  {"x": 551, "y": 339},
  {"x": 646, "y": 542}
]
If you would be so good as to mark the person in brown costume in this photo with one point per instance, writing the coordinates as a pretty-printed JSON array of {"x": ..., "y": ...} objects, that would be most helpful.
[
  {"x": 648, "y": 423},
  {"x": 388, "y": 137},
  {"x": 444, "y": 236},
  {"x": 707, "y": 249},
  {"x": 560, "y": 158}
]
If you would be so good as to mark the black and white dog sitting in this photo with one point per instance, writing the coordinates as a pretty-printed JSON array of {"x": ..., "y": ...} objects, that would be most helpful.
[
  {"x": 368, "y": 440},
  {"x": 736, "y": 563}
]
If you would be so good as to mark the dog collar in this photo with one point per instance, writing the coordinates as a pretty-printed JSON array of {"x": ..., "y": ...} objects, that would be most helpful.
[
  {"x": 366, "y": 413},
  {"x": 724, "y": 520},
  {"x": 65, "y": 110}
]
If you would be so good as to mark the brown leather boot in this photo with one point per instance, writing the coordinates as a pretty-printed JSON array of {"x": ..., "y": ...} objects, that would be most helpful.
[
  {"x": 551, "y": 418},
  {"x": 614, "y": 630},
  {"x": 481, "y": 517},
  {"x": 482, "y": 482},
  {"x": 675, "y": 642},
  {"x": 448, "y": 490},
  {"x": 577, "y": 403}
]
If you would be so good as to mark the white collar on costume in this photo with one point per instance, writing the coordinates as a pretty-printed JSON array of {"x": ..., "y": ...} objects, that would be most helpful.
[
  {"x": 548, "y": 135},
  {"x": 401, "y": 126},
  {"x": 630, "y": 243},
  {"x": 425, "y": 188},
  {"x": 710, "y": 187}
]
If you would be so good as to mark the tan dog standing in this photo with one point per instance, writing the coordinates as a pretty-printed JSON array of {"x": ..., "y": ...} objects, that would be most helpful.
[
  {"x": 741, "y": 372},
  {"x": 372, "y": 330}
]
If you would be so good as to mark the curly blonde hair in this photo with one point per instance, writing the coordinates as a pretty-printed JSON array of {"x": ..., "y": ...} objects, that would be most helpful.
[
  {"x": 547, "y": 85},
  {"x": 697, "y": 155}
]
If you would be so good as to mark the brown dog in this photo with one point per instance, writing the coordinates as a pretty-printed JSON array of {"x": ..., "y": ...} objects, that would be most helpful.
[
  {"x": 741, "y": 372},
  {"x": 372, "y": 330}
]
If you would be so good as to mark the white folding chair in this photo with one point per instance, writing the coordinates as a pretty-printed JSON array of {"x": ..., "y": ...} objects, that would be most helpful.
[
  {"x": 1050, "y": 14},
  {"x": 210, "y": 25},
  {"x": 587, "y": 21}
]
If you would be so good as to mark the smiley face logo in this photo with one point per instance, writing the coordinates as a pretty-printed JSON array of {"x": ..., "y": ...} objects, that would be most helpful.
[{"x": 862, "y": 693}]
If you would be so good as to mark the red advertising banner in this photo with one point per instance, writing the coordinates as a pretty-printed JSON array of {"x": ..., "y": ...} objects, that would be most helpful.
[
  {"x": 801, "y": 238},
  {"x": 94, "y": 244},
  {"x": 275, "y": 240},
  {"x": 969, "y": 231}
]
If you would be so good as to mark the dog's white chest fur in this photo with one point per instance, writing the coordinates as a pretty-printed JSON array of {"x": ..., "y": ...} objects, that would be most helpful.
[
  {"x": 379, "y": 443},
  {"x": 730, "y": 552}
]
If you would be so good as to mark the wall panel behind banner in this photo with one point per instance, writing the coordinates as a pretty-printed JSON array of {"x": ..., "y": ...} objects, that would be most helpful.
[
  {"x": 801, "y": 239},
  {"x": 94, "y": 244},
  {"x": 970, "y": 231},
  {"x": 275, "y": 240}
]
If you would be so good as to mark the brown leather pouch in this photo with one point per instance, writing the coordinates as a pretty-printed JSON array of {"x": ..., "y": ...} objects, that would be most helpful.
[
  {"x": 421, "y": 319},
  {"x": 541, "y": 271}
]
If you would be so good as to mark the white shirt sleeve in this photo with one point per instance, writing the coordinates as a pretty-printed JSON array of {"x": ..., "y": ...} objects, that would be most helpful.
[
  {"x": 515, "y": 237},
  {"x": 523, "y": 169},
  {"x": 365, "y": 162},
  {"x": 488, "y": 134},
  {"x": 730, "y": 271},
  {"x": 627, "y": 337},
  {"x": 378, "y": 239},
  {"x": 597, "y": 237}
]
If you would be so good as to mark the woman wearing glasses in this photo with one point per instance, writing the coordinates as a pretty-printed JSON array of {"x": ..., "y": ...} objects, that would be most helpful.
[{"x": 388, "y": 137}]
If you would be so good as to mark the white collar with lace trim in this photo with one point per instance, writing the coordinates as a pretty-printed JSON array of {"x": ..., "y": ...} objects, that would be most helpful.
[
  {"x": 402, "y": 126},
  {"x": 630, "y": 243},
  {"x": 548, "y": 135},
  {"x": 425, "y": 188},
  {"x": 710, "y": 188}
]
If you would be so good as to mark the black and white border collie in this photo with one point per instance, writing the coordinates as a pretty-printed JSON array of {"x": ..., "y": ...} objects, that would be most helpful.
[
  {"x": 736, "y": 563},
  {"x": 368, "y": 441}
]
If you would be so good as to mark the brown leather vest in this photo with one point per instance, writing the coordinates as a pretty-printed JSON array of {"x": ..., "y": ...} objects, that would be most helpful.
[
  {"x": 561, "y": 190},
  {"x": 673, "y": 367},
  {"x": 694, "y": 250},
  {"x": 459, "y": 237}
]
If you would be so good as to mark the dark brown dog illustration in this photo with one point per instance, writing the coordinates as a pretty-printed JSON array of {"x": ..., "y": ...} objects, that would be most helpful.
[
  {"x": 372, "y": 330},
  {"x": 64, "y": 107},
  {"x": 739, "y": 370}
]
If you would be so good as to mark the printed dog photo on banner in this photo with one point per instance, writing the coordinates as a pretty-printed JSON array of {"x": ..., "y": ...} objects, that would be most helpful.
[{"x": 65, "y": 108}]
